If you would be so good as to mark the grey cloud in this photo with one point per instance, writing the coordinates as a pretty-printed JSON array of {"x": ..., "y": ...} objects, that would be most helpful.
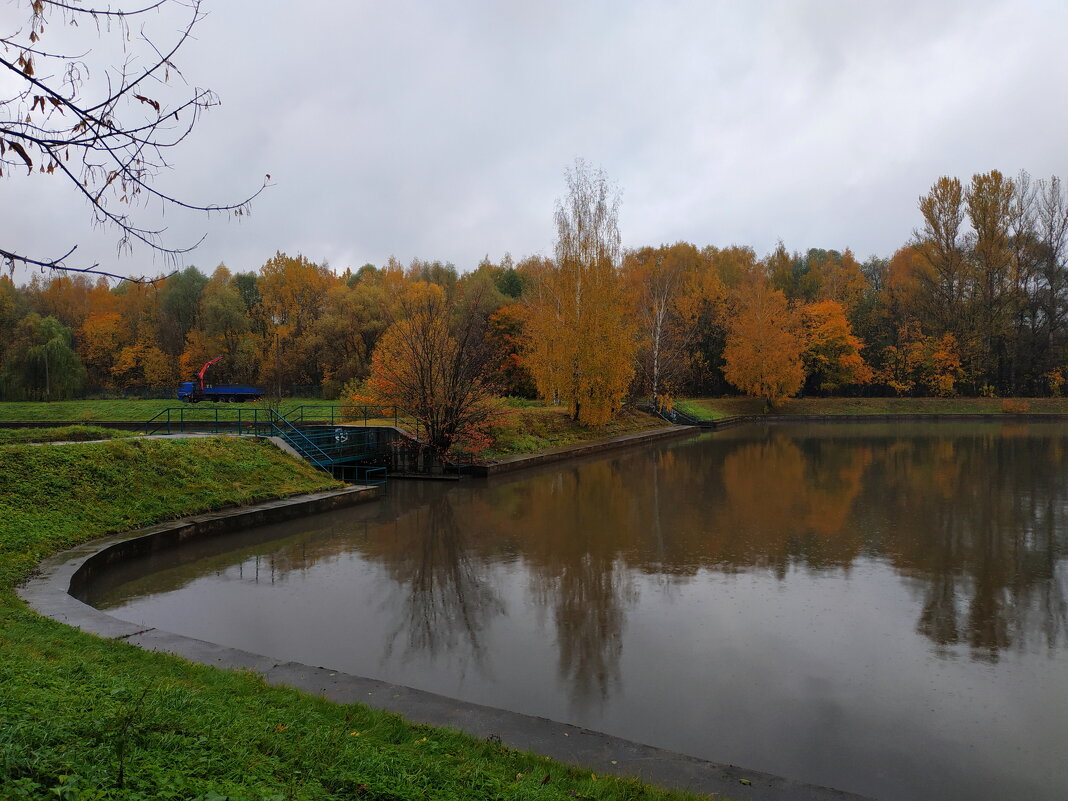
[{"x": 442, "y": 130}]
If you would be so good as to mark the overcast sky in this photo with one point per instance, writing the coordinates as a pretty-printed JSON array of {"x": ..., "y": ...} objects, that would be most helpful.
[{"x": 442, "y": 130}]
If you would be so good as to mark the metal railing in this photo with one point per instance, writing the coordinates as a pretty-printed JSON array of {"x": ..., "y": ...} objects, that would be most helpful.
[
  {"x": 332, "y": 415},
  {"x": 216, "y": 420},
  {"x": 676, "y": 416}
]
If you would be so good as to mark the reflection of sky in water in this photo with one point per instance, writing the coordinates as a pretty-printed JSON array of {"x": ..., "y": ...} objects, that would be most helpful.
[{"x": 876, "y": 608}]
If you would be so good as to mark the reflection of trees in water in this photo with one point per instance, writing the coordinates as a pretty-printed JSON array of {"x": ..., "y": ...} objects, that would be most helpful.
[
  {"x": 977, "y": 521},
  {"x": 589, "y": 599},
  {"x": 788, "y": 501},
  {"x": 447, "y": 602},
  {"x": 574, "y": 525},
  {"x": 991, "y": 513}
]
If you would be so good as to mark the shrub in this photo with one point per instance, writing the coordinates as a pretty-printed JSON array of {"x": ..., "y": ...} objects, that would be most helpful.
[{"x": 1015, "y": 406}]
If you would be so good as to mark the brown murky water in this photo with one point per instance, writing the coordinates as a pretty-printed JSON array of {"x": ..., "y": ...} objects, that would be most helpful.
[{"x": 875, "y": 608}]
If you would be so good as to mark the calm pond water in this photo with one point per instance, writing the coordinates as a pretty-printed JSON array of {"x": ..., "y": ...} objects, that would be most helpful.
[{"x": 877, "y": 608}]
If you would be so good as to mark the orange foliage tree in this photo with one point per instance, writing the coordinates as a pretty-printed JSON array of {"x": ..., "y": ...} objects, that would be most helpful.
[
  {"x": 581, "y": 344},
  {"x": 922, "y": 364},
  {"x": 764, "y": 344},
  {"x": 840, "y": 279},
  {"x": 832, "y": 353},
  {"x": 505, "y": 332}
]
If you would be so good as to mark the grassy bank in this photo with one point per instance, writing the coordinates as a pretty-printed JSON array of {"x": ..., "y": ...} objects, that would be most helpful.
[
  {"x": 89, "y": 719},
  {"x": 11, "y": 436},
  {"x": 84, "y": 411},
  {"x": 717, "y": 408},
  {"x": 534, "y": 428}
]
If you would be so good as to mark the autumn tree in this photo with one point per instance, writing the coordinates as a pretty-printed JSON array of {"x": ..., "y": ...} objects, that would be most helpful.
[
  {"x": 1052, "y": 269},
  {"x": 988, "y": 202},
  {"x": 943, "y": 278},
  {"x": 780, "y": 269},
  {"x": 143, "y": 364},
  {"x": 434, "y": 272},
  {"x": 227, "y": 327},
  {"x": 506, "y": 333},
  {"x": 764, "y": 344},
  {"x": 668, "y": 287},
  {"x": 721, "y": 270},
  {"x": 292, "y": 291},
  {"x": 581, "y": 344},
  {"x": 65, "y": 297},
  {"x": 103, "y": 130},
  {"x": 735, "y": 264},
  {"x": 832, "y": 353},
  {"x": 922, "y": 364},
  {"x": 840, "y": 279},
  {"x": 432, "y": 362},
  {"x": 13, "y": 307},
  {"x": 100, "y": 340},
  {"x": 346, "y": 332}
]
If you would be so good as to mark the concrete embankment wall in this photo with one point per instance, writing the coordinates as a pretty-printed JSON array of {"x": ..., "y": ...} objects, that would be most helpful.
[
  {"x": 513, "y": 463},
  {"x": 174, "y": 534}
]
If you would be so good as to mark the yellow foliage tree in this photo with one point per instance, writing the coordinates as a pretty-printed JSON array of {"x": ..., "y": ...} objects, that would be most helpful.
[
  {"x": 840, "y": 279},
  {"x": 144, "y": 364},
  {"x": 293, "y": 291},
  {"x": 764, "y": 344},
  {"x": 101, "y": 338},
  {"x": 580, "y": 340}
]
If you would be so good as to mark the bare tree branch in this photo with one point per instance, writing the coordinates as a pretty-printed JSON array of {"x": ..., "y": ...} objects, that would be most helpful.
[{"x": 118, "y": 139}]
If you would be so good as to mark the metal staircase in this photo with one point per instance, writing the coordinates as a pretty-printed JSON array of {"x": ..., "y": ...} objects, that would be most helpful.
[{"x": 341, "y": 450}]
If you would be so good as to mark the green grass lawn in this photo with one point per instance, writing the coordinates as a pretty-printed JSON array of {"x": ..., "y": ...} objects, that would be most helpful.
[
  {"x": 10, "y": 436},
  {"x": 89, "y": 719},
  {"x": 129, "y": 409},
  {"x": 717, "y": 408}
]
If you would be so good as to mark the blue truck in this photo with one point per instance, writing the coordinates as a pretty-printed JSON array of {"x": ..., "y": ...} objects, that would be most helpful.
[{"x": 196, "y": 390}]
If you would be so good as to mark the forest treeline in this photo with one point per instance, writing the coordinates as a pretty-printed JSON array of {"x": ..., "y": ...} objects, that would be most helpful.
[{"x": 974, "y": 304}]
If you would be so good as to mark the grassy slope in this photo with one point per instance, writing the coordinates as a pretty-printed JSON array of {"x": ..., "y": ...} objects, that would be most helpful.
[
  {"x": 11, "y": 436},
  {"x": 72, "y": 703},
  {"x": 536, "y": 428},
  {"x": 139, "y": 410},
  {"x": 716, "y": 408}
]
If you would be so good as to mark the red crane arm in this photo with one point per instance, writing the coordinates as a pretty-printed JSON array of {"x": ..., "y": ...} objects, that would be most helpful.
[{"x": 204, "y": 369}]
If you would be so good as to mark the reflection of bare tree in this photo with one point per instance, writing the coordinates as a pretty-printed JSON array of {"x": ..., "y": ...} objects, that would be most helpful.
[{"x": 447, "y": 602}]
